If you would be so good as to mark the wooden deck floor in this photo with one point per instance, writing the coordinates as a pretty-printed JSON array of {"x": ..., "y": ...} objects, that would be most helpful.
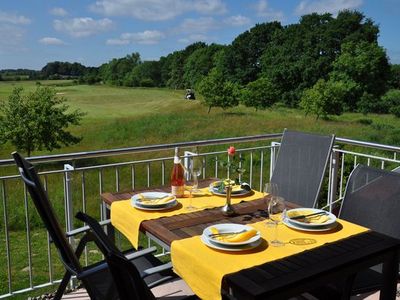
[{"x": 81, "y": 294}]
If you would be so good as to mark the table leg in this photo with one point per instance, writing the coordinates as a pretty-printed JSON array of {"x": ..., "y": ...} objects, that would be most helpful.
[{"x": 390, "y": 271}]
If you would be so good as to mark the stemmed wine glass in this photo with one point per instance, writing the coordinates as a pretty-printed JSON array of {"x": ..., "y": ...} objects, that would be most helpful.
[
  {"x": 196, "y": 166},
  {"x": 276, "y": 210},
  {"x": 190, "y": 184}
]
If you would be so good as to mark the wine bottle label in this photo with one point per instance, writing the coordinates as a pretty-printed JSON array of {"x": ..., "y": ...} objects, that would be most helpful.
[{"x": 177, "y": 191}]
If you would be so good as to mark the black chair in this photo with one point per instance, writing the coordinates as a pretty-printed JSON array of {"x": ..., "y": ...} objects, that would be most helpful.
[
  {"x": 372, "y": 199},
  {"x": 127, "y": 278},
  {"x": 96, "y": 278},
  {"x": 300, "y": 167}
]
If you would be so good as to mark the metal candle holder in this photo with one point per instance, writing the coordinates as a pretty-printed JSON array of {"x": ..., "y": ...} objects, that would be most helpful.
[{"x": 227, "y": 209}]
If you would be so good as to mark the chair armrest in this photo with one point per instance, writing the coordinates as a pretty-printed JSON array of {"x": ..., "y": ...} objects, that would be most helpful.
[
  {"x": 140, "y": 253},
  {"x": 158, "y": 269},
  {"x": 85, "y": 228}
]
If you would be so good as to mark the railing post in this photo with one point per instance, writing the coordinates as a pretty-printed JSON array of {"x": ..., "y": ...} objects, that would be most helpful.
[
  {"x": 273, "y": 158},
  {"x": 69, "y": 212},
  {"x": 333, "y": 178}
]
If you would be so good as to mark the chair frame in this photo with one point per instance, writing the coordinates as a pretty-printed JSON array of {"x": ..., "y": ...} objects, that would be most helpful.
[
  {"x": 286, "y": 133},
  {"x": 69, "y": 257}
]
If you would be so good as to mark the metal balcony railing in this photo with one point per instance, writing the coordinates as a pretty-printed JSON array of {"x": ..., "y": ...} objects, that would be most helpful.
[{"x": 75, "y": 181}]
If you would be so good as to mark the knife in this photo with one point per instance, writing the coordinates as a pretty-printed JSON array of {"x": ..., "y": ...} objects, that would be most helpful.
[{"x": 309, "y": 215}]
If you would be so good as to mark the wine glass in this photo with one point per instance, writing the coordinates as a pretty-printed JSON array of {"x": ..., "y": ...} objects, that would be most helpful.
[
  {"x": 196, "y": 167},
  {"x": 190, "y": 184},
  {"x": 270, "y": 191},
  {"x": 276, "y": 211}
]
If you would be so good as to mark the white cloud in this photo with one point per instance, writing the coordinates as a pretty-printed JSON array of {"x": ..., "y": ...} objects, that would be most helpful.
[
  {"x": 326, "y": 6},
  {"x": 58, "y": 11},
  {"x": 209, "y": 6},
  {"x": 157, "y": 10},
  {"x": 238, "y": 20},
  {"x": 201, "y": 25},
  {"x": 51, "y": 41},
  {"x": 147, "y": 37},
  {"x": 117, "y": 42},
  {"x": 82, "y": 27},
  {"x": 264, "y": 10},
  {"x": 13, "y": 18}
]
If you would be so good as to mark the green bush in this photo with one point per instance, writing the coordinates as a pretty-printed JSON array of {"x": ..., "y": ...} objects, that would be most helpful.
[
  {"x": 392, "y": 101},
  {"x": 365, "y": 121}
]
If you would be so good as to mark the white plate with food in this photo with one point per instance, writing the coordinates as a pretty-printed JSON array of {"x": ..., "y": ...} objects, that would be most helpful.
[
  {"x": 238, "y": 190},
  {"x": 230, "y": 234},
  {"x": 311, "y": 229},
  {"x": 231, "y": 248},
  {"x": 153, "y": 200},
  {"x": 310, "y": 217}
]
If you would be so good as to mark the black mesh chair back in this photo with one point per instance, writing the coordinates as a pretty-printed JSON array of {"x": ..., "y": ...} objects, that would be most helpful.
[
  {"x": 300, "y": 167},
  {"x": 45, "y": 210},
  {"x": 96, "y": 278},
  {"x": 372, "y": 199},
  {"x": 127, "y": 278}
]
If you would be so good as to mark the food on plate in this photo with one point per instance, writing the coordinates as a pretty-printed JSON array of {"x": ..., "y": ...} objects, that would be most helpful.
[{"x": 317, "y": 219}]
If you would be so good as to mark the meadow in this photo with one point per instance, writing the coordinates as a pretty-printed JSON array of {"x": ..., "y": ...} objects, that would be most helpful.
[
  {"x": 125, "y": 117},
  {"x": 120, "y": 117}
]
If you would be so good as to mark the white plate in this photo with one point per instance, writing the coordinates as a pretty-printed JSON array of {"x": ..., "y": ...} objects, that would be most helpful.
[
  {"x": 297, "y": 227},
  {"x": 332, "y": 217},
  {"x": 230, "y": 227},
  {"x": 135, "y": 200},
  {"x": 210, "y": 244},
  {"x": 170, "y": 205},
  {"x": 240, "y": 193}
]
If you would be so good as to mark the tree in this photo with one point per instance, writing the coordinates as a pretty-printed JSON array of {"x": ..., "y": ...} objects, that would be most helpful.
[
  {"x": 147, "y": 72},
  {"x": 241, "y": 62},
  {"x": 199, "y": 64},
  {"x": 324, "y": 98},
  {"x": 301, "y": 54},
  {"x": 367, "y": 65},
  {"x": 217, "y": 92},
  {"x": 37, "y": 120},
  {"x": 114, "y": 71},
  {"x": 391, "y": 101},
  {"x": 394, "y": 81},
  {"x": 259, "y": 94}
]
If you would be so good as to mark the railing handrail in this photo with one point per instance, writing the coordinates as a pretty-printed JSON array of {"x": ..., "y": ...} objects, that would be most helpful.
[
  {"x": 149, "y": 148},
  {"x": 367, "y": 144}
]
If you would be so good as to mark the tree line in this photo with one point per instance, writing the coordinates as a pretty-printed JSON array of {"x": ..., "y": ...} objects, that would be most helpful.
[{"x": 322, "y": 64}]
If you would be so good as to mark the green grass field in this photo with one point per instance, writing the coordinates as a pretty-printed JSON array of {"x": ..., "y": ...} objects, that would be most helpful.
[
  {"x": 127, "y": 117},
  {"x": 124, "y": 117}
]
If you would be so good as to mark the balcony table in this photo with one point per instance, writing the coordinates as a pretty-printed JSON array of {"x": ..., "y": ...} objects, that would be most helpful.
[{"x": 290, "y": 275}]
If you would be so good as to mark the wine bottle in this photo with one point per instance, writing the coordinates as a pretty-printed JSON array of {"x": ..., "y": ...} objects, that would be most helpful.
[{"x": 177, "y": 177}]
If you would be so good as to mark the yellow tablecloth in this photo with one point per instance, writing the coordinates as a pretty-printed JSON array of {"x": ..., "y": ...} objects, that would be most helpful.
[
  {"x": 127, "y": 219},
  {"x": 203, "y": 268}
]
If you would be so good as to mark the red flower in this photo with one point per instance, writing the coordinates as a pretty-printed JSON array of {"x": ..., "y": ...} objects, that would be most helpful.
[{"x": 231, "y": 151}]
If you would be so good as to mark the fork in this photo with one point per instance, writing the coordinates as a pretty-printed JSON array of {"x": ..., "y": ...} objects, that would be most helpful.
[{"x": 226, "y": 233}]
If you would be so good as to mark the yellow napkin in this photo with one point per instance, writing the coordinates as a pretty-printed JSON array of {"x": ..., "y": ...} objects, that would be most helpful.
[
  {"x": 204, "y": 268},
  {"x": 319, "y": 219},
  {"x": 148, "y": 201},
  {"x": 234, "y": 238}
]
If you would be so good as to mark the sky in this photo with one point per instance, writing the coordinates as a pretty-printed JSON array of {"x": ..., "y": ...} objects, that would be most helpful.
[{"x": 35, "y": 32}]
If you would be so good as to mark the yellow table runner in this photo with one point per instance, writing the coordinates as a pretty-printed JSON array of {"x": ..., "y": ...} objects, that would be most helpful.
[
  {"x": 203, "y": 268},
  {"x": 127, "y": 219}
]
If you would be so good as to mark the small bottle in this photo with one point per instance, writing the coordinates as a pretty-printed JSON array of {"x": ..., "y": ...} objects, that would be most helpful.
[{"x": 177, "y": 177}]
